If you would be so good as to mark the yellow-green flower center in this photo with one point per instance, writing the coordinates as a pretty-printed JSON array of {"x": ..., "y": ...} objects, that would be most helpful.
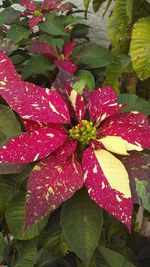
[
  {"x": 37, "y": 13},
  {"x": 83, "y": 132}
]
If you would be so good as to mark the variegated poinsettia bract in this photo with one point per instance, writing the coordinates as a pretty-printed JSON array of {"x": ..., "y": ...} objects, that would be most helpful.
[
  {"x": 62, "y": 59},
  {"x": 35, "y": 12},
  {"x": 74, "y": 144}
]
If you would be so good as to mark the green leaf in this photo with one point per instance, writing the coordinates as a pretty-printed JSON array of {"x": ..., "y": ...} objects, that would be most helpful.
[
  {"x": 121, "y": 63},
  {"x": 37, "y": 65},
  {"x": 86, "y": 5},
  {"x": 97, "y": 4},
  {"x": 7, "y": 190},
  {"x": 87, "y": 77},
  {"x": 15, "y": 219},
  {"x": 142, "y": 188},
  {"x": 52, "y": 26},
  {"x": 18, "y": 33},
  {"x": 80, "y": 31},
  {"x": 118, "y": 23},
  {"x": 114, "y": 259},
  {"x": 82, "y": 221},
  {"x": 134, "y": 103},
  {"x": 9, "y": 125},
  {"x": 92, "y": 55},
  {"x": 140, "y": 48},
  {"x": 9, "y": 15},
  {"x": 52, "y": 237},
  {"x": 25, "y": 254},
  {"x": 2, "y": 247}
]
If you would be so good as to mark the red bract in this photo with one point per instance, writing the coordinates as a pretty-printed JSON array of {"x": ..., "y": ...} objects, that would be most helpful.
[
  {"x": 82, "y": 152},
  {"x": 36, "y": 12},
  {"x": 61, "y": 59}
]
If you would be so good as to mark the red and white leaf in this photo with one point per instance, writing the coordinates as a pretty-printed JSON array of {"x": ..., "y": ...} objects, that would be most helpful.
[
  {"x": 35, "y": 21},
  {"x": 50, "y": 183},
  {"x": 78, "y": 104},
  {"x": 108, "y": 184},
  {"x": 31, "y": 126},
  {"x": 67, "y": 65},
  {"x": 29, "y": 5},
  {"x": 31, "y": 147},
  {"x": 7, "y": 70},
  {"x": 52, "y": 5},
  {"x": 138, "y": 167},
  {"x": 103, "y": 103},
  {"x": 68, "y": 48},
  {"x": 42, "y": 48},
  {"x": 132, "y": 127},
  {"x": 35, "y": 103}
]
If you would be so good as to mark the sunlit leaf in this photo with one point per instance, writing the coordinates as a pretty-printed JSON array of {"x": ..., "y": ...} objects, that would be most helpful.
[{"x": 140, "y": 48}]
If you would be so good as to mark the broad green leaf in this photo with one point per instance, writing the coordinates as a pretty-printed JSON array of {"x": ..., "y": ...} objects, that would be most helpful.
[
  {"x": 9, "y": 125},
  {"x": 52, "y": 26},
  {"x": 7, "y": 190},
  {"x": 2, "y": 246},
  {"x": 97, "y": 4},
  {"x": 9, "y": 15},
  {"x": 142, "y": 188},
  {"x": 119, "y": 22},
  {"x": 15, "y": 219},
  {"x": 134, "y": 103},
  {"x": 82, "y": 221},
  {"x": 52, "y": 237},
  {"x": 121, "y": 63},
  {"x": 140, "y": 48},
  {"x": 80, "y": 30},
  {"x": 37, "y": 65},
  {"x": 87, "y": 77},
  {"x": 25, "y": 254},
  {"x": 67, "y": 20},
  {"x": 18, "y": 33},
  {"x": 79, "y": 86},
  {"x": 114, "y": 259},
  {"x": 92, "y": 55},
  {"x": 18, "y": 59}
]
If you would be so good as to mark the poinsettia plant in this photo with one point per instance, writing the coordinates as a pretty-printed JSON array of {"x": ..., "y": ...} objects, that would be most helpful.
[
  {"x": 74, "y": 164},
  {"x": 74, "y": 141}
]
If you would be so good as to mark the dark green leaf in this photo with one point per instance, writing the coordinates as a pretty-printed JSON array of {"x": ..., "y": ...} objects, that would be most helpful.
[
  {"x": 15, "y": 219},
  {"x": 92, "y": 55},
  {"x": 25, "y": 254},
  {"x": 142, "y": 191},
  {"x": 37, "y": 65},
  {"x": 80, "y": 31},
  {"x": 7, "y": 190},
  {"x": 114, "y": 259},
  {"x": 82, "y": 221},
  {"x": 9, "y": 126},
  {"x": 134, "y": 103},
  {"x": 2, "y": 246},
  {"x": 18, "y": 33},
  {"x": 52, "y": 26},
  {"x": 97, "y": 4},
  {"x": 8, "y": 15}
]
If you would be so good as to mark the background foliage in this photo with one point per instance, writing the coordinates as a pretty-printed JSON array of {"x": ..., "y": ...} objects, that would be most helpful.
[{"x": 79, "y": 233}]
